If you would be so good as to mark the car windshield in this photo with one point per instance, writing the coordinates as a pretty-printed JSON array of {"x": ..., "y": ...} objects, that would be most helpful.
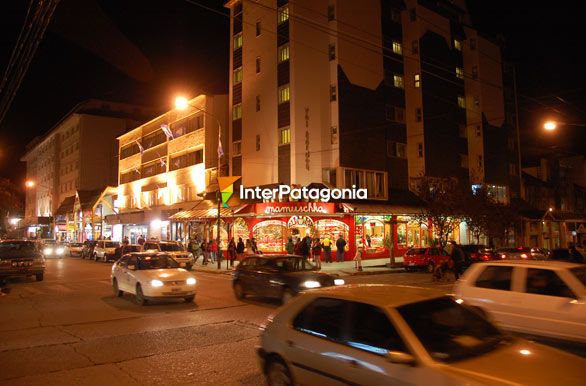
[
  {"x": 156, "y": 262},
  {"x": 293, "y": 264},
  {"x": 10, "y": 248},
  {"x": 416, "y": 251},
  {"x": 580, "y": 273},
  {"x": 171, "y": 247},
  {"x": 449, "y": 331},
  {"x": 111, "y": 244},
  {"x": 151, "y": 246},
  {"x": 77, "y": 245}
]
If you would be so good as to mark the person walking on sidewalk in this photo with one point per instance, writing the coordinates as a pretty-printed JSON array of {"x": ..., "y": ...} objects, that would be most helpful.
[
  {"x": 249, "y": 250},
  {"x": 358, "y": 256},
  {"x": 232, "y": 251},
  {"x": 457, "y": 256},
  {"x": 340, "y": 246},
  {"x": 327, "y": 244},
  {"x": 289, "y": 247},
  {"x": 204, "y": 250},
  {"x": 240, "y": 249},
  {"x": 316, "y": 252}
]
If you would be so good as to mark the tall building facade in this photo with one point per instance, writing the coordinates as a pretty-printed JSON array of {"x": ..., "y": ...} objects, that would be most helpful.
[
  {"x": 78, "y": 153},
  {"x": 374, "y": 93}
]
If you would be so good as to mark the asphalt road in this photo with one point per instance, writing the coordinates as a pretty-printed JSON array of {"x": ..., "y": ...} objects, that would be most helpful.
[{"x": 71, "y": 330}]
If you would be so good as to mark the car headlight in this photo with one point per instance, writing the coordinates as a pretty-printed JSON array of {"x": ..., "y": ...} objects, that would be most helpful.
[
  {"x": 339, "y": 282},
  {"x": 59, "y": 251},
  {"x": 156, "y": 283},
  {"x": 48, "y": 251},
  {"x": 311, "y": 284},
  {"x": 190, "y": 281}
]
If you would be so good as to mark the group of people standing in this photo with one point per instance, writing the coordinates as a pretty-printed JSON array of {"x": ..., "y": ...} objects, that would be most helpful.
[
  {"x": 312, "y": 247},
  {"x": 211, "y": 251}
]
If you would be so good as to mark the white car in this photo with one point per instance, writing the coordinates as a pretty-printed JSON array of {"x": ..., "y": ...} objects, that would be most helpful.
[
  {"x": 75, "y": 249},
  {"x": 152, "y": 276},
  {"x": 542, "y": 298},
  {"x": 105, "y": 250},
  {"x": 399, "y": 335},
  {"x": 173, "y": 249}
]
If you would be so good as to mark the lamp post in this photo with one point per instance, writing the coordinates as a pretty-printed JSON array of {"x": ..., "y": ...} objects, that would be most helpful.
[
  {"x": 552, "y": 125},
  {"x": 181, "y": 103},
  {"x": 30, "y": 185}
]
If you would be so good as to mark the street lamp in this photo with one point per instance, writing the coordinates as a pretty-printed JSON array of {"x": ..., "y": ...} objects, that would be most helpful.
[
  {"x": 182, "y": 103},
  {"x": 552, "y": 125}
]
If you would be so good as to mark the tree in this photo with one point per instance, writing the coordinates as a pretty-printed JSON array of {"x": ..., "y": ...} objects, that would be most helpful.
[{"x": 11, "y": 201}]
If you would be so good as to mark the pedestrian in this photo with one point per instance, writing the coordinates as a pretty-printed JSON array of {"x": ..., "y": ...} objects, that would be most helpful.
[
  {"x": 232, "y": 251},
  {"x": 125, "y": 240},
  {"x": 457, "y": 257},
  {"x": 249, "y": 250},
  {"x": 316, "y": 252},
  {"x": 214, "y": 250},
  {"x": 340, "y": 248},
  {"x": 289, "y": 247},
  {"x": 368, "y": 240},
  {"x": 305, "y": 248},
  {"x": 240, "y": 248},
  {"x": 254, "y": 246},
  {"x": 297, "y": 248},
  {"x": 204, "y": 249},
  {"x": 141, "y": 240},
  {"x": 358, "y": 256},
  {"x": 327, "y": 245}
]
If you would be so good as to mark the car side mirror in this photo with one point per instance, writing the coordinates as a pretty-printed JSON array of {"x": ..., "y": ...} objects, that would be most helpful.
[
  {"x": 402, "y": 358},
  {"x": 132, "y": 267}
]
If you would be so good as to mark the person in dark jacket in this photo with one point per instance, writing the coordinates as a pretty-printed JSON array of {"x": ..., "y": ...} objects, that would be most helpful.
[
  {"x": 232, "y": 251},
  {"x": 305, "y": 246},
  {"x": 457, "y": 256},
  {"x": 289, "y": 247},
  {"x": 240, "y": 248},
  {"x": 340, "y": 246}
]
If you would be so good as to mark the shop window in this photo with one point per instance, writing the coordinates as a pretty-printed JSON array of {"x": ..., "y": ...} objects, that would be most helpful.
[
  {"x": 371, "y": 231},
  {"x": 271, "y": 235},
  {"x": 402, "y": 235},
  {"x": 240, "y": 230},
  {"x": 333, "y": 229}
]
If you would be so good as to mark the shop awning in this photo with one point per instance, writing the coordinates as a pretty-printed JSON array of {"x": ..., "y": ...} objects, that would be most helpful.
[
  {"x": 382, "y": 209},
  {"x": 205, "y": 210},
  {"x": 125, "y": 218}
]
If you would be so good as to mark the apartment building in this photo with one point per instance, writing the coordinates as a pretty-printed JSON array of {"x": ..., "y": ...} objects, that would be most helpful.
[{"x": 373, "y": 93}]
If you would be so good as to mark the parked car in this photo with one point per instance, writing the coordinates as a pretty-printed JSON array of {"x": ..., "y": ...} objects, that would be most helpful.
[
  {"x": 152, "y": 275},
  {"x": 105, "y": 250},
  {"x": 478, "y": 252},
  {"x": 391, "y": 335},
  {"x": 123, "y": 249},
  {"x": 565, "y": 254},
  {"x": 278, "y": 276},
  {"x": 21, "y": 258},
  {"x": 424, "y": 258},
  {"x": 53, "y": 249},
  {"x": 88, "y": 249},
  {"x": 543, "y": 298},
  {"x": 173, "y": 249},
  {"x": 520, "y": 253},
  {"x": 75, "y": 249}
]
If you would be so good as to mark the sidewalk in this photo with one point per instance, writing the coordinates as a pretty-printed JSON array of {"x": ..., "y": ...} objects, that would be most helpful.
[{"x": 346, "y": 268}]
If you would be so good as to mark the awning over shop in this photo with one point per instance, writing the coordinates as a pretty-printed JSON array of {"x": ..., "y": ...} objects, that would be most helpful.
[
  {"x": 381, "y": 209},
  {"x": 205, "y": 210},
  {"x": 126, "y": 218},
  {"x": 66, "y": 206}
]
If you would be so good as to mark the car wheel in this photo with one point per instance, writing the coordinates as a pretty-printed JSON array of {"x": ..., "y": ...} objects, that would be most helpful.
[
  {"x": 116, "y": 290},
  {"x": 239, "y": 291},
  {"x": 278, "y": 373},
  {"x": 286, "y": 295},
  {"x": 189, "y": 299},
  {"x": 140, "y": 299},
  {"x": 39, "y": 276},
  {"x": 430, "y": 267}
]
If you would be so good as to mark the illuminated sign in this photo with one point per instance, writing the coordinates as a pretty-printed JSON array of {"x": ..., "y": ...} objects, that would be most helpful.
[
  {"x": 295, "y": 207},
  {"x": 304, "y": 193}
]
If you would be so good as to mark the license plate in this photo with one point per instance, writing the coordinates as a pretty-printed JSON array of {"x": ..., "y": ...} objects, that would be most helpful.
[
  {"x": 182, "y": 265},
  {"x": 175, "y": 289}
]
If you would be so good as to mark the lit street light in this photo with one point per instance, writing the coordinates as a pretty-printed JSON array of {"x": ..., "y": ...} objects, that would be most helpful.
[
  {"x": 30, "y": 184},
  {"x": 553, "y": 125}
]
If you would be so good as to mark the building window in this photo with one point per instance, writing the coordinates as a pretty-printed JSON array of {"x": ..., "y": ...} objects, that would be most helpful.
[
  {"x": 460, "y": 72},
  {"x": 331, "y": 12},
  {"x": 413, "y": 15},
  {"x": 258, "y": 64},
  {"x": 396, "y": 15},
  {"x": 478, "y": 131},
  {"x": 284, "y": 95},
  {"x": 334, "y": 134},
  {"x": 458, "y": 44},
  {"x": 397, "y": 48},
  {"x": 185, "y": 160},
  {"x": 329, "y": 176},
  {"x": 258, "y": 142},
  {"x": 462, "y": 130},
  {"x": 237, "y": 41},
  {"x": 461, "y": 102},
  {"x": 418, "y": 114},
  {"x": 332, "y": 51},
  {"x": 258, "y": 103},
  {"x": 372, "y": 180},
  {"x": 395, "y": 114},
  {"x": 420, "y": 150},
  {"x": 237, "y": 111},
  {"x": 237, "y": 75},
  {"x": 480, "y": 162},
  {"x": 285, "y": 135},
  {"x": 415, "y": 47},
  {"x": 283, "y": 14},
  {"x": 464, "y": 161},
  {"x": 333, "y": 95},
  {"x": 474, "y": 72},
  {"x": 417, "y": 80},
  {"x": 472, "y": 44},
  {"x": 398, "y": 81},
  {"x": 476, "y": 101},
  {"x": 283, "y": 53},
  {"x": 396, "y": 149},
  {"x": 237, "y": 148},
  {"x": 187, "y": 125},
  {"x": 258, "y": 29},
  {"x": 153, "y": 168}
]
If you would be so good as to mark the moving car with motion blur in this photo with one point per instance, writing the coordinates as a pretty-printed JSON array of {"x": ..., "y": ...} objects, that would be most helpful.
[
  {"x": 75, "y": 249},
  {"x": 278, "y": 276},
  {"x": 542, "y": 298},
  {"x": 424, "y": 258},
  {"x": 152, "y": 275},
  {"x": 87, "y": 252},
  {"x": 52, "y": 249},
  {"x": 398, "y": 335},
  {"x": 21, "y": 258},
  {"x": 173, "y": 249},
  {"x": 520, "y": 253}
]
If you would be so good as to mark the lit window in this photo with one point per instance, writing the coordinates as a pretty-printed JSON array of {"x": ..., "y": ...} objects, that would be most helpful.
[
  {"x": 237, "y": 148},
  {"x": 283, "y": 53},
  {"x": 457, "y": 44},
  {"x": 397, "y": 48},
  {"x": 398, "y": 81},
  {"x": 237, "y": 41},
  {"x": 333, "y": 95},
  {"x": 461, "y": 102},
  {"x": 237, "y": 76},
  {"x": 284, "y": 95},
  {"x": 417, "y": 80},
  {"x": 283, "y": 14},
  {"x": 460, "y": 72},
  {"x": 237, "y": 112},
  {"x": 285, "y": 137}
]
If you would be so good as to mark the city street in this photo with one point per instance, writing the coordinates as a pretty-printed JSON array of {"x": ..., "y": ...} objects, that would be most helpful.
[{"x": 70, "y": 329}]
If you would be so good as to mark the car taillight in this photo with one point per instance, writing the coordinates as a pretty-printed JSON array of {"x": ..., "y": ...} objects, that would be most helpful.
[{"x": 485, "y": 257}]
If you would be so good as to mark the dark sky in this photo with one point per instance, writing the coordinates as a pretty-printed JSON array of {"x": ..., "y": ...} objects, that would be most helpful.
[{"x": 146, "y": 52}]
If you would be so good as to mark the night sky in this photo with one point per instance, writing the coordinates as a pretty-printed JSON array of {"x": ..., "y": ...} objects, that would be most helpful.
[{"x": 146, "y": 52}]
